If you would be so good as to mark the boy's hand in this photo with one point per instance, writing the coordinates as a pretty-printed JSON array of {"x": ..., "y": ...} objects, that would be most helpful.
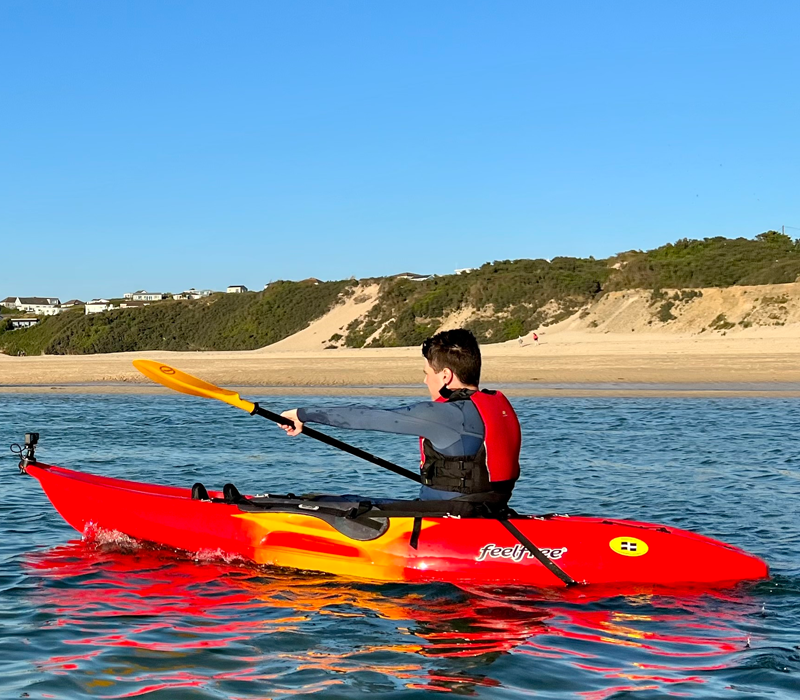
[{"x": 292, "y": 416}]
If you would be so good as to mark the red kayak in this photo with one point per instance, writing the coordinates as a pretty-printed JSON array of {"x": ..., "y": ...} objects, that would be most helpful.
[{"x": 408, "y": 541}]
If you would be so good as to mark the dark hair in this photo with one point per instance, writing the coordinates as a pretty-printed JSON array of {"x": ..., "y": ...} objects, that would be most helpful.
[{"x": 458, "y": 351}]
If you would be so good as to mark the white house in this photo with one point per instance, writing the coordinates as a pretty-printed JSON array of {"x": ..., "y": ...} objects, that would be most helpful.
[
  {"x": 236, "y": 289},
  {"x": 95, "y": 306},
  {"x": 72, "y": 302},
  {"x": 142, "y": 295},
  {"x": 193, "y": 294},
  {"x": 465, "y": 270},
  {"x": 41, "y": 306}
]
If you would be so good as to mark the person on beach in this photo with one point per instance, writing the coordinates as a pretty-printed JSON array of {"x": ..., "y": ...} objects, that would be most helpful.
[{"x": 469, "y": 438}]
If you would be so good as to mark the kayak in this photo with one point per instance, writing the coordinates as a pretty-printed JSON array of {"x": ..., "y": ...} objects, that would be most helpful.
[{"x": 408, "y": 541}]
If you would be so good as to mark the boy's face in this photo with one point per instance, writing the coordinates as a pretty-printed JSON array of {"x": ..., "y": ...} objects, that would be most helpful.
[{"x": 436, "y": 380}]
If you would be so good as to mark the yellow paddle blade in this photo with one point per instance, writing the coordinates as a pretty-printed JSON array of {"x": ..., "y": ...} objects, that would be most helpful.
[{"x": 187, "y": 384}]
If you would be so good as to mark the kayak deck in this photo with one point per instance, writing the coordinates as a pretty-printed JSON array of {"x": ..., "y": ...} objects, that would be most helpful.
[{"x": 383, "y": 544}]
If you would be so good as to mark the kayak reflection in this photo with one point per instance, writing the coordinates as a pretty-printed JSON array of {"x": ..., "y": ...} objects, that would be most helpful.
[{"x": 128, "y": 619}]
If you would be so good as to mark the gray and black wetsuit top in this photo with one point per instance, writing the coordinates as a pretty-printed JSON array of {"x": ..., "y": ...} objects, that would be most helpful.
[{"x": 454, "y": 428}]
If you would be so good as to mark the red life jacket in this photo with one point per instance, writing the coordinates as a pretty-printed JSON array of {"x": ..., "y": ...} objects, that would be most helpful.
[{"x": 495, "y": 467}]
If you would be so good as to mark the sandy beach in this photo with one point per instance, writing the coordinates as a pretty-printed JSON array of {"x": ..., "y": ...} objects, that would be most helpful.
[{"x": 763, "y": 361}]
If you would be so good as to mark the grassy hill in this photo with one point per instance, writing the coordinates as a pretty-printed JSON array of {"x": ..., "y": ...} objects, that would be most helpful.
[
  {"x": 220, "y": 322},
  {"x": 499, "y": 301}
]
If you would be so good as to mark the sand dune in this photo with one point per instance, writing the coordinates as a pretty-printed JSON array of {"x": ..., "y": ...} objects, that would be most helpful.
[
  {"x": 317, "y": 335},
  {"x": 728, "y": 310}
]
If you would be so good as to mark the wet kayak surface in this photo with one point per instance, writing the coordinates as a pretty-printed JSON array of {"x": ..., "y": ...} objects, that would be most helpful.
[{"x": 114, "y": 618}]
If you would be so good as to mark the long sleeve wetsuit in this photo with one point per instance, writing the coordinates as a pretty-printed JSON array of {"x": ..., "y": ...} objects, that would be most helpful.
[{"x": 454, "y": 428}]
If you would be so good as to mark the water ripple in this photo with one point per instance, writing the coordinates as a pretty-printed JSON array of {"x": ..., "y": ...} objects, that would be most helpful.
[{"x": 113, "y": 618}]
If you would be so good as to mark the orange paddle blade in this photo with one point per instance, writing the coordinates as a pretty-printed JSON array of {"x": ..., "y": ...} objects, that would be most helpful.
[{"x": 187, "y": 384}]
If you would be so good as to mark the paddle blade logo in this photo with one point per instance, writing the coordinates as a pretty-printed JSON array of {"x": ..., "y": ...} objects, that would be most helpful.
[
  {"x": 166, "y": 369},
  {"x": 629, "y": 546}
]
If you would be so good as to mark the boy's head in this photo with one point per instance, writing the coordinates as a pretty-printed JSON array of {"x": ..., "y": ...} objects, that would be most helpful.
[{"x": 451, "y": 354}]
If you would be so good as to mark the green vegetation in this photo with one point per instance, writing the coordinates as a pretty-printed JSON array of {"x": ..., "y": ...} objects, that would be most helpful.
[
  {"x": 721, "y": 323},
  {"x": 665, "y": 314},
  {"x": 769, "y": 258},
  {"x": 220, "y": 322},
  {"x": 509, "y": 298},
  {"x": 782, "y": 299},
  {"x": 513, "y": 294},
  {"x": 5, "y": 311},
  {"x": 668, "y": 301}
]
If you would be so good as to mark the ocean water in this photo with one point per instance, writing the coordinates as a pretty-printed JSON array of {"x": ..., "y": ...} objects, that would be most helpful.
[{"x": 119, "y": 619}]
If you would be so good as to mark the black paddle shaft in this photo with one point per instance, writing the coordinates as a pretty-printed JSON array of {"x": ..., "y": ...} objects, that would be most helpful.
[
  {"x": 541, "y": 557},
  {"x": 333, "y": 442}
]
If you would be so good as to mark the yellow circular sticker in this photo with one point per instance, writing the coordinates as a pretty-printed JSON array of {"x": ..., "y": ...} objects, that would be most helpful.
[{"x": 628, "y": 546}]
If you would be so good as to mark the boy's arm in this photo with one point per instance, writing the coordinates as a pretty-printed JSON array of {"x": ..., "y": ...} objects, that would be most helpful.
[{"x": 439, "y": 422}]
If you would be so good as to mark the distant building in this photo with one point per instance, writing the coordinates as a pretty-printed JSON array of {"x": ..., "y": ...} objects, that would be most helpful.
[
  {"x": 41, "y": 306},
  {"x": 142, "y": 295},
  {"x": 413, "y": 276},
  {"x": 311, "y": 280},
  {"x": 236, "y": 289},
  {"x": 95, "y": 306},
  {"x": 134, "y": 304},
  {"x": 22, "y": 322},
  {"x": 193, "y": 294},
  {"x": 72, "y": 302},
  {"x": 465, "y": 270}
]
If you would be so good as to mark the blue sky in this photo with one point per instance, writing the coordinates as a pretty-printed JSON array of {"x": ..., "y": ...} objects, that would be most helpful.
[{"x": 170, "y": 144}]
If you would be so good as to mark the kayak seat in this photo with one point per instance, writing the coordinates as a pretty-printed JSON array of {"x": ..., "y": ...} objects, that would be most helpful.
[
  {"x": 200, "y": 493},
  {"x": 231, "y": 494}
]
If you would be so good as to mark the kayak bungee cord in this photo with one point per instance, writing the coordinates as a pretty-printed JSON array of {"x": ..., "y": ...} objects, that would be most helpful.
[{"x": 187, "y": 384}]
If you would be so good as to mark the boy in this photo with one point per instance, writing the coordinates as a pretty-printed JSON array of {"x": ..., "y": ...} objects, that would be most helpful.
[{"x": 469, "y": 439}]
